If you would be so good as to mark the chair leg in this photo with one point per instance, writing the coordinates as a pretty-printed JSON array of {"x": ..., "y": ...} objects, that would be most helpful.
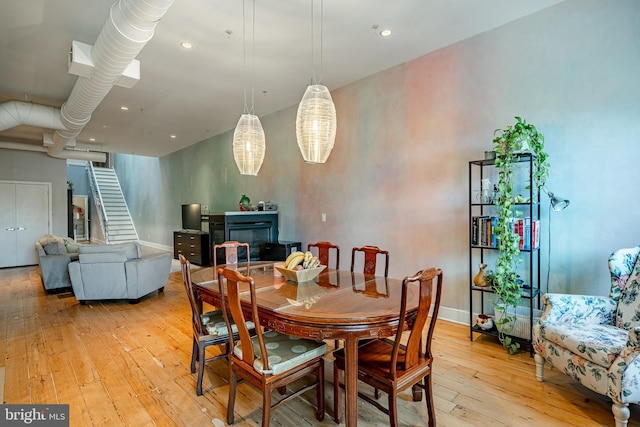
[
  {"x": 539, "y": 366},
  {"x": 337, "y": 395},
  {"x": 393, "y": 409},
  {"x": 320, "y": 390},
  {"x": 621, "y": 413},
  {"x": 416, "y": 391},
  {"x": 201, "y": 364},
  {"x": 428, "y": 391},
  {"x": 233, "y": 382},
  {"x": 194, "y": 355},
  {"x": 266, "y": 407}
]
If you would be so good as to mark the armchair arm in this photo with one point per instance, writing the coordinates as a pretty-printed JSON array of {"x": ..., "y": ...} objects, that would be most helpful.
[
  {"x": 566, "y": 309},
  {"x": 634, "y": 338}
]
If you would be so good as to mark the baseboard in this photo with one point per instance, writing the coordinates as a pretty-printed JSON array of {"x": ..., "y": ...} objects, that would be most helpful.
[
  {"x": 164, "y": 248},
  {"x": 453, "y": 315}
]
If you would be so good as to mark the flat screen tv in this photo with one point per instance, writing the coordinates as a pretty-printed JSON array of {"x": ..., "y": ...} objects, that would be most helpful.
[{"x": 191, "y": 217}]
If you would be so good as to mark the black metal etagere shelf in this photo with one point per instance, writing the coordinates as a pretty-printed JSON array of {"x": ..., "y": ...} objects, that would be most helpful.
[{"x": 480, "y": 298}]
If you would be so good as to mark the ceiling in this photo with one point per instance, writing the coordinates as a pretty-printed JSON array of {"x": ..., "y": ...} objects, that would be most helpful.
[{"x": 198, "y": 93}]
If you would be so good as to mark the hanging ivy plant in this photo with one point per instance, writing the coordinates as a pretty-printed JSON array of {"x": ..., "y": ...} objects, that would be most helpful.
[{"x": 509, "y": 142}]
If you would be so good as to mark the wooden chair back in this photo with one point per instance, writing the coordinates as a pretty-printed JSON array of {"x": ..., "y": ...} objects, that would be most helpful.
[
  {"x": 391, "y": 366},
  {"x": 230, "y": 282},
  {"x": 324, "y": 249},
  {"x": 265, "y": 374},
  {"x": 230, "y": 255},
  {"x": 413, "y": 352},
  {"x": 196, "y": 310},
  {"x": 371, "y": 254}
]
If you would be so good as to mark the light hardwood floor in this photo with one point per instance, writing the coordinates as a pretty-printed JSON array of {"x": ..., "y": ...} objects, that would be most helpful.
[{"x": 119, "y": 364}]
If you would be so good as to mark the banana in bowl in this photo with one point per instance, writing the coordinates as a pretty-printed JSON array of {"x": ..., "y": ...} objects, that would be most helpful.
[{"x": 303, "y": 275}]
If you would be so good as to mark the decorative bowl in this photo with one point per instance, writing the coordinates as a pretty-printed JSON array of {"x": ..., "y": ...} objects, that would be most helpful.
[{"x": 303, "y": 275}]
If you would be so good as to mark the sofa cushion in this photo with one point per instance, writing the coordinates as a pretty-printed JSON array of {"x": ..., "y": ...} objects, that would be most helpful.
[
  {"x": 54, "y": 248},
  {"x": 55, "y": 245},
  {"x": 101, "y": 258},
  {"x": 71, "y": 245},
  {"x": 600, "y": 344},
  {"x": 132, "y": 250},
  {"x": 129, "y": 250}
]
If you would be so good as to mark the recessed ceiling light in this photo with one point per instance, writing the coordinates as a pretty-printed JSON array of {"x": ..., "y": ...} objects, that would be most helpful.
[
  {"x": 92, "y": 139},
  {"x": 124, "y": 108},
  {"x": 385, "y": 33},
  {"x": 186, "y": 45},
  {"x": 173, "y": 137}
]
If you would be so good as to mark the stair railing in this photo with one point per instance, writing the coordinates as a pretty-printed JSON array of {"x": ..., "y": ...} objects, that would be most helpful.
[
  {"x": 97, "y": 199},
  {"x": 135, "y": 232}
]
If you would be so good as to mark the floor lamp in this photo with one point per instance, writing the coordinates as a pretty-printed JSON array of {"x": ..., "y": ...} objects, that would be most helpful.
[{"x": 555, "y": 204}]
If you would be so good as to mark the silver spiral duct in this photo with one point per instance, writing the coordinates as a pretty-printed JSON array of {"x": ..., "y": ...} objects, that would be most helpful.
[{"x": 130, "y": 26}]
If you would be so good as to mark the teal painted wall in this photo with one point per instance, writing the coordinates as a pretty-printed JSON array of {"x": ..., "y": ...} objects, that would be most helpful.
[{"x": 398, "y": 174}]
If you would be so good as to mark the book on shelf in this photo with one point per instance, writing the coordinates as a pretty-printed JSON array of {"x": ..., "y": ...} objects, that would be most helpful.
[
  {"x": 535, "y": 234},
  {"x": 483, "y": 231},
  {"x": 492, "y": 238}
]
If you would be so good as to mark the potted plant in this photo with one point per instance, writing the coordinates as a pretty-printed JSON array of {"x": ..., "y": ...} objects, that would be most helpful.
[{"x": 509, "y": 143}]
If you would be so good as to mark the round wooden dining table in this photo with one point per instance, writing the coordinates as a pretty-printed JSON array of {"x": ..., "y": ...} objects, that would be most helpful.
[{"x": 337, "y": 305}]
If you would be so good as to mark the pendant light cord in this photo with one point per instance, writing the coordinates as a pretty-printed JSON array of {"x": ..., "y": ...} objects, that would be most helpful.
[
  {"x": 253, "y": 46},
  {"x": 248, "y": 110},
  {"x": 321, "y": 39},
  {"x": 244, "y": 57},
  {"x": 315, "y": 80}
]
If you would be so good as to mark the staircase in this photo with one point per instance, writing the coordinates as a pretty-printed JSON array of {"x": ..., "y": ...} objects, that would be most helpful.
[{"x": 115, "y": 218}]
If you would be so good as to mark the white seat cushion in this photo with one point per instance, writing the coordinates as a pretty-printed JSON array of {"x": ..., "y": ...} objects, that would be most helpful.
[
  {"x": 215, "y": 325},
  {"x": 285, "y": 352},
  {"x": 600, "y": 344}
]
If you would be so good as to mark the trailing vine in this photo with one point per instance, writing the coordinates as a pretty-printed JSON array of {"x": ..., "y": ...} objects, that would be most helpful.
[{"x": 509, "y": 142}]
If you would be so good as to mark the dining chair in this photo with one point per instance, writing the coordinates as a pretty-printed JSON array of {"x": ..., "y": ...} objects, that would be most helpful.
[
  {"x": 231, "y": 256},
  {"x": 371, "y": 254},
  {"x": 269, "y": 360},
  {"x": 392, "y": 367},
  {"x": 209, "y": 329},
  {"x": 324, "y": 249}
]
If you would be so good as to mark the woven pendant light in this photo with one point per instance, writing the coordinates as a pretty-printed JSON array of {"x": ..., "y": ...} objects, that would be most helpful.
[
  {"x": 248, "y": 144},
  {"x": 316, "y": 119},
  {"x": 316, "y": 124},
  {"x": 248, "y": 138}
]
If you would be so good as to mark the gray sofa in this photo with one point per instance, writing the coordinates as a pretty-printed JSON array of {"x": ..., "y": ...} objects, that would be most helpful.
[
  {"x": 119, "y": 271},
  {"x": 54, "y": 255}
]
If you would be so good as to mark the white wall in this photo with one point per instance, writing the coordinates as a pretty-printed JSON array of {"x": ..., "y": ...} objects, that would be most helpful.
[{"x": 398, "y": 174}]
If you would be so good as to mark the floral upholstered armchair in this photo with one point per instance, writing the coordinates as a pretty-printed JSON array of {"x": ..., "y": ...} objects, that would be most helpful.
[{"x": 595, "y": 340}]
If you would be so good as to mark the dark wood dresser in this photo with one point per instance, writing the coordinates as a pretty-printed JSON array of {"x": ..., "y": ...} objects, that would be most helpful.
[{"x": 194, "y": 245}]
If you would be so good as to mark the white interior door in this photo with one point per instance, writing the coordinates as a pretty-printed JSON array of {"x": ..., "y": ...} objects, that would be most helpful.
[
  {"x": 8, "y": 236},
  {"x": 32, "y": 219},
  {"x": 25, "y": 212}
]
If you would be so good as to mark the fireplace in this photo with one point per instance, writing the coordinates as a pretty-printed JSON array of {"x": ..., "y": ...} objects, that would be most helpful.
[{"x": 253, "y": 227}]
